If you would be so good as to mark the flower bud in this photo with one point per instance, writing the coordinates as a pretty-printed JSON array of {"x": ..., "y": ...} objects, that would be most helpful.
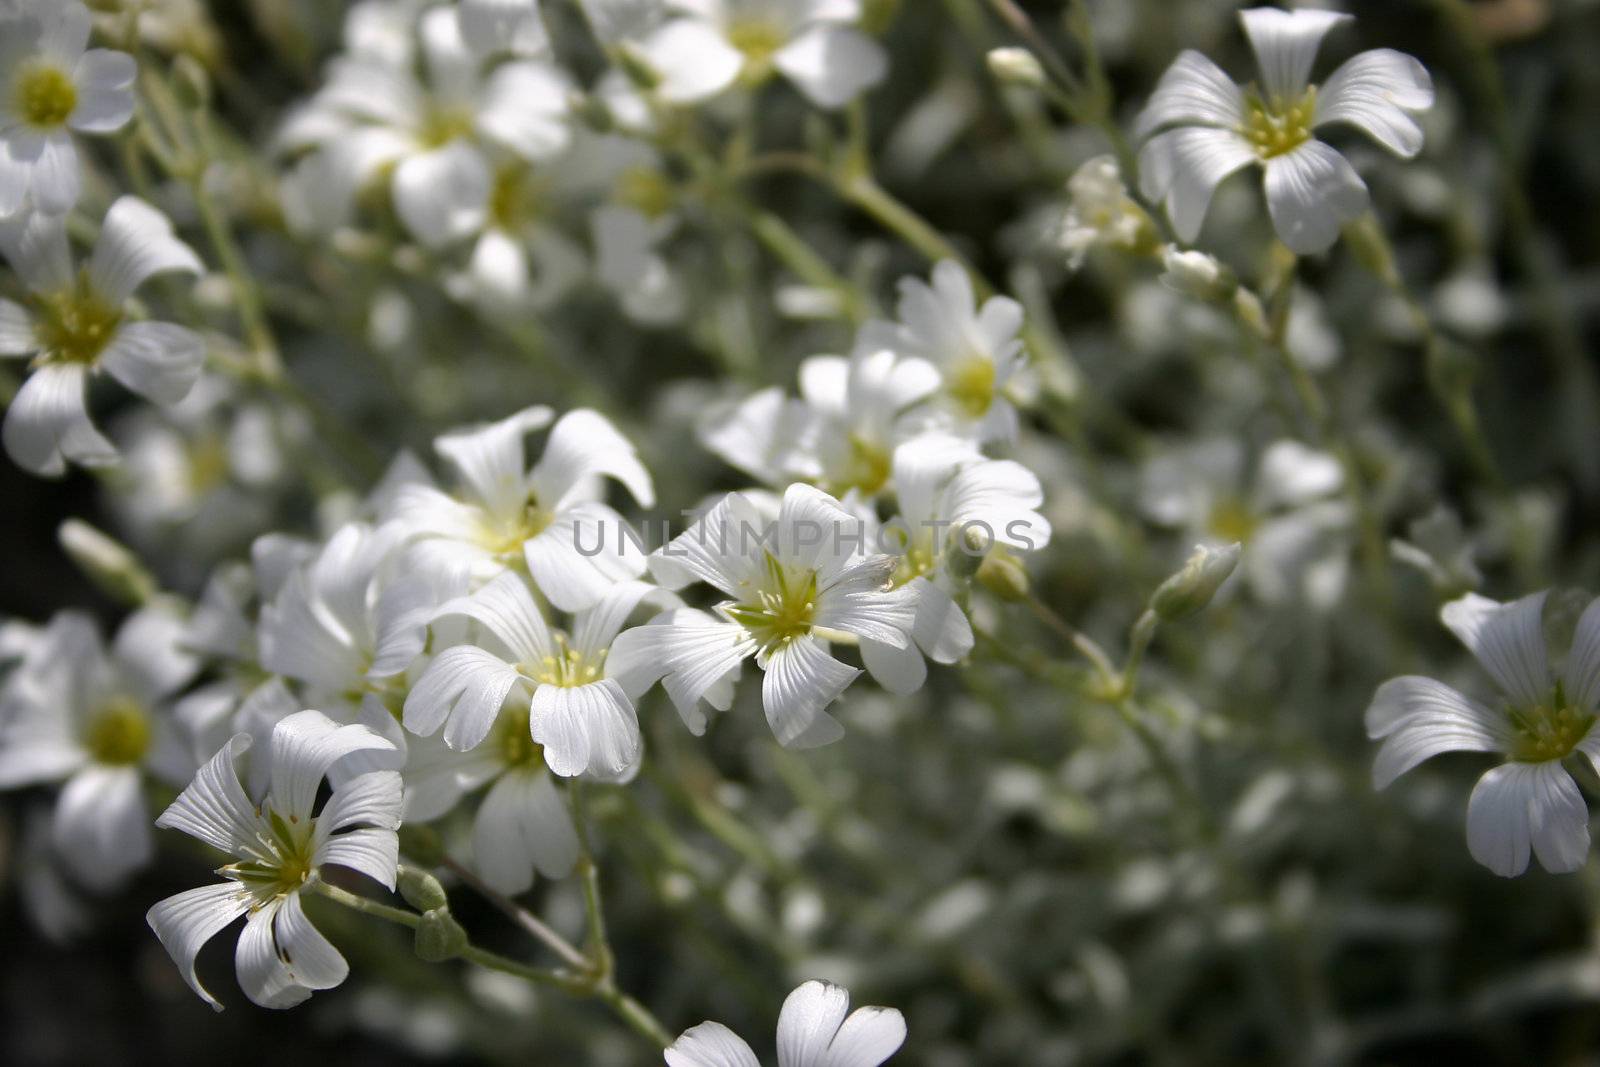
[
  {"x": 1187, "y": 593},
  {"x": 1003, "y": 575},
  {"x": 1016, "y": 66},
  {"x": 421, "y": 890},
  {"x": 439, "y": 937},
  {"x": 107, "y": 563},
  {"x": 1196, "y": 274},
  {"x": 965, "y": 553}
]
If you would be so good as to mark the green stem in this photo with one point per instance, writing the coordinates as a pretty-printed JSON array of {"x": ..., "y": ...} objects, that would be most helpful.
[{"x": 521, "y": 916}]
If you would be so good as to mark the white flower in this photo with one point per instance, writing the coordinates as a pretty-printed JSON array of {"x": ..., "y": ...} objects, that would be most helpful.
[
  {"x": 51, "y": 87},
  {"x": 976, "y": 350},
  {"x": 1292, "y": 517},
  {"x": 841, "y": 433},
  {"x": 813, "y": 1031},
  {"x": 514, "y": 26},
  {"x": 793, "y": 586},
  {"x": 581, "y": 710},
  {"x": 627, "y": 263},
  {"x": 437, "y": 142},
  {"x": 1099, "y": 212},
  {"x": 1201, "y": 127},
  {"x": 76, "y": 322},
  {"x": 944, "y": 488},
  {"x": 1540, "y": 719},
  {"x": 521, "y": 825},
  {"x": 73, "y": 713},
  {"x": 811, "y": 42},
  {"x": 505, "y": 514},
  {"x": 281, "y": 841}
]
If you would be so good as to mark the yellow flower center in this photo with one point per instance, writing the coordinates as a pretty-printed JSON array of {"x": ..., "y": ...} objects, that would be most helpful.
[
  {"x": 1275, "y": 127},
  {"x": 646, "y": 190},
  {"x": 567, "y": 667},
  {"x": 782, "y": 609},
  {"x": 119, "y": 732},
  {"x": 757, "y": 39},
  {"x": 75, "y": 325},
  {"x": 518, "y": 197},
  {"x": 505, "y": 539},
  {"x": 1231, "y": 520},
  {"x": 441, "y": 125},
  {"x": 517, "y": 746},
  {"x": 917, "y": 561},
  {"x": 44, "y": 96},
  {"x": 867, "y": 468},
  {"x": 1548, "y": 731},
  {"x": 971, "y": 385},
  {"x": 280, "y": 859}
]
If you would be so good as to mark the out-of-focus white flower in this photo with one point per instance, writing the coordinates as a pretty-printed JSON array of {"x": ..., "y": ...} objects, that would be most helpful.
[
  {"x": 73, "y": 713},
  {"x": 842, "y": 432},
  {"x": 51, "y": 86},
  {"x": 1529, "y": 802},
  {"x": 628, "y": 264},
  {"x": 506, "y": 514},
  {"x": 281, "y": 842},
  {"x": 813, "y": 1031},
  {"x": 813, "y": 43},
  {"x": 1100, "y": 212},
  {"x": 791, "y": 586},
  {"x": 1295, "y": 526},
  {"x": 581, "y": 708},
  {"x": 438, "y": 142},
  {"x": 976, "y": 349},
  {"x": 514, "y": 26},
  {"x": 945, "y": 488},
  {"x": 1200, "y": 127},
  {"x": 78, "y": 322}
]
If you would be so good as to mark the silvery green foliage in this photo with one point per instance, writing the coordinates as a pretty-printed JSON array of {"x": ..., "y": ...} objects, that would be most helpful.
[{"x": 623, "y": 526}]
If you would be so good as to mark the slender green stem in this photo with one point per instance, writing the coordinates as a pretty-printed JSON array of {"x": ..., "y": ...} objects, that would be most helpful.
[
  {"x": 596, "y": 942},
  {"x": 1086, "y": 646},
  {"x": 521, "y": 916}
]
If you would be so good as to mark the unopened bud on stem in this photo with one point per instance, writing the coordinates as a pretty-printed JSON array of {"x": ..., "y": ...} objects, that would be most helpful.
[
  {"x": 421, "y": 890},
  {"x": 1016, "y": 66},
  {"x": 107, "y": 563},
  {"x": 439, "y": 936},
  {"x": 1188, "y": 592}
]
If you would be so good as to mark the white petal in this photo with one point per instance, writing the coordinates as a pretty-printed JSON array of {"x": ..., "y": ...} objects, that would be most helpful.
[
  {"x": 371, "y": 799},
  {"x": 856, "y": 602},
  {"x": 263, "y": 976},
  {"x": 525, "y": 109},
  {"x": 1183, "y": 167},
  {"x": 596, "y": 628},
  {"x": 491, "y": 26},
  {"x": 695, "y": 649},
  {"x": 832, "y": 64},
  {"x": 1193, "y": 92},
  {"x": 942, "y": 630},
  {"x": 506, "y": 609},
  {"x": 304, "y": 746},
  {"x": 1286, "y": 44},
  {"x": 586, "y": 728},
  {"x": 312, "y": 961},
  {"x": 443, "y": 194},
  {"x": 1375, "y": 92},
  {"x": 710, "y": 1045},
  {"x": 1581, "y": 674},
  {"x": 158, "y": 360},
  {"x": 810, "y": 1018},
  {"x": 135, "y": 243},
  {"x": 35, "y": 245},
  {"x": 1508, "y": 641},
  {"x": 576, "y": 560},
  {"x": 104, "y": 81},
  {"x": 802, "y": 679},
  {"x": 1418, "y": 718},
  {"x": 898, "y": 670},
  {"x": 63, "y": 30},
  {"x": 47, "y": 425},
  {"x": 1293, "y": 474},
  {"x": 720, "y": 549},
  {"x": 57, "y": 179},
  {"x": 868, "y": 1037},
  {"x": 373, "y": 852},
  {"x": 692, "y": 60},
  {"x": 214, "y": 808},
  {"x": 16, "y": 330},
  {"x": 522, "y": 825},
  {"x": 464, "y": 685},
  {"x": 490, "y": 458},
  {"x": 103, "y": 68},
  {"x": 102, "y": 828},
  {"x": 1311, "y": 193},
  {"x": 186, "y": 921},
  {"x": 583, "y": 447},
  {"x": 1517, "y": 805}
]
